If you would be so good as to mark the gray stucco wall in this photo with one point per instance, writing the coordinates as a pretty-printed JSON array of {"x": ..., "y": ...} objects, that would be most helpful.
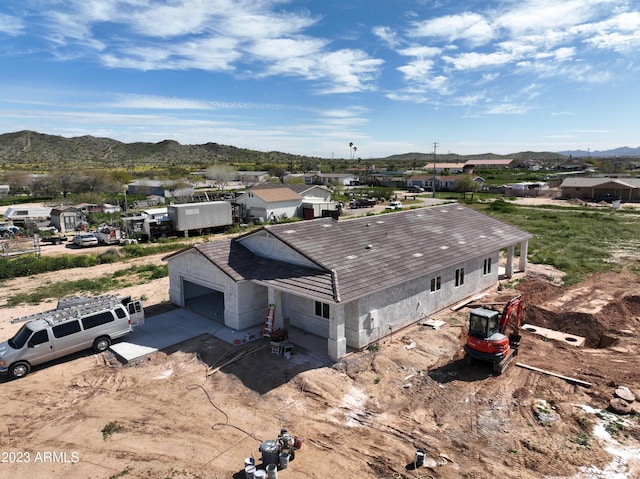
[
  {"x": 244, "y": 302},
  {"x": 301, "y": 313},
  {"x": 408, "y": 302}
]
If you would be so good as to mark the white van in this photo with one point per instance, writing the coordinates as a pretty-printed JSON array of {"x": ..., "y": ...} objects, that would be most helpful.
[{"x": 76, "y": 324}]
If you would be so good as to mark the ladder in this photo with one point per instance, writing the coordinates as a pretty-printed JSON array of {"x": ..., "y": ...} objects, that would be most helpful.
[{"x": 269, "y": 321}]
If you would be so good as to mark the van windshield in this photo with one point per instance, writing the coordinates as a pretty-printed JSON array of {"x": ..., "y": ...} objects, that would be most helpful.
[{"x": 21, "y": 337}]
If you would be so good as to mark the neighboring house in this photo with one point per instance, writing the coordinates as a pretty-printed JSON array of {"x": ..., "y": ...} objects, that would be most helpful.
[
  {"x": 450, "y": 168},
  {"x": 252, "y": 177},
  {"x": 443, "y": 183},
  {"x": 597, "y": 189},
  {"x": 350, "y": 281},
  {"x": 166, "y": 189},
  {"x": 88, "y": 208},
  {"x": 488, "y": 164},
  {"x": 421, "y": 181},
  {"x": 109, "y": 208},
  {"x": 316, "y": 201},
  {"x": 68, "y": 219},
  {"x": 318, "y": 178},
  {"x": 527, "y": 189},
  {"x": 267, "y": 203}
]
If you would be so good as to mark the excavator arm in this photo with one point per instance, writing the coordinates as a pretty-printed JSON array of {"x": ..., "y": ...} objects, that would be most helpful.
[{"x": 515, "y": 306}]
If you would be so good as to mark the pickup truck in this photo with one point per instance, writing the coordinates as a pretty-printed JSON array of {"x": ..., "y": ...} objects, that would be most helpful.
[
  {"x": 53, "y": 239},
  {"x": 362, "y": 203}
]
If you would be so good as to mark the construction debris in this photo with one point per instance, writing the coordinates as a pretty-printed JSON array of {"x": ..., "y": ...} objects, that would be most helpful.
[{"x": 549, "y": 373}]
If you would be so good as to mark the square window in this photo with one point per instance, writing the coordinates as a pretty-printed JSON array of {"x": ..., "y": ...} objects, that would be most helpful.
[{"x": 322, "y": 310}]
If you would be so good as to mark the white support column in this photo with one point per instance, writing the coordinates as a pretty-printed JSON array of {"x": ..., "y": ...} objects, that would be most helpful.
[
  {"x": 274, "y": 296},
  {"x": 524, "y": 246},
  {"x": 509, "y": 269},
  {"x": 337, "y": 342}
]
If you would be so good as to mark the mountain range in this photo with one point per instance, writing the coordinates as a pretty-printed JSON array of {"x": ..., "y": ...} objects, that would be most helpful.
[
  {"x": 622, "y": 151},
  {"x": 34, "y": 151}
]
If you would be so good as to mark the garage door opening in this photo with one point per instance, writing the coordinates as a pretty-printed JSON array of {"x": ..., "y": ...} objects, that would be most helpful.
[{"x": 205, "y": 301}]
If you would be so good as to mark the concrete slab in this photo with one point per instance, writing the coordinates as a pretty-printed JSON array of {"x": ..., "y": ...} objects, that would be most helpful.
[
  {"x": 173, "y": 327},
  {"x": 571, "y": 339}
]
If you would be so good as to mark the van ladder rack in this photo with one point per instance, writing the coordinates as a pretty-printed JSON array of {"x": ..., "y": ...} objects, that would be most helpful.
[{"x": 73, "y": 308}]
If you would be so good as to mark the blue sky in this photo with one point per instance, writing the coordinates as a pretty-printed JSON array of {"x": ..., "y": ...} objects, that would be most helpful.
[{"x": 312, "y": 76}]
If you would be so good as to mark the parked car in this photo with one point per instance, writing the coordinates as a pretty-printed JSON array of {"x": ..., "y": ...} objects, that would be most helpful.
[
  {"x": 394, "y": 205},
  {"x": 8, "y": 231},
  {"x": 362, "y": 203},
  {"x": 53, "y": 239},
  {"x": 85, "y": 240},
  {"x": 415, "y": 189}
]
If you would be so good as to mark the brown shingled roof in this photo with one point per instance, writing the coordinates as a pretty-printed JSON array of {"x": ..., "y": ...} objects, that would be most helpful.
[{"x": 269, "y": 195}]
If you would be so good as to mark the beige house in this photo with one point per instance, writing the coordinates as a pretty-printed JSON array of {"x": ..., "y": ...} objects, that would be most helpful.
[{"x": 599, "y": 189}]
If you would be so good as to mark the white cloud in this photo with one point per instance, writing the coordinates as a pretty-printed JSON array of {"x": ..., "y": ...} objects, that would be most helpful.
[
  {"x": 620, "y": 33},
  {"x": 10, "y": 25},
  {"x": 471, "y": 27},
  {"x": 205, "y": 54},
  {"x": 151, "y": 102},
  {"x": 420, "y": 51},
  {"x": 507, "y": 109},
  {"x": 387, "y": 35},
  {"x": 348, "y": 70},
  {"x": 539, "y": 16},
  {"x": 473, "y": 60},
  {"x": 286, "y": 48},
  {"x": 416, "y": 71}
]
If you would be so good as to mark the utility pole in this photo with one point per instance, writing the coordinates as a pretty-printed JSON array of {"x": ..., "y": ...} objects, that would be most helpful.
[{"x": 435, "y": 145}]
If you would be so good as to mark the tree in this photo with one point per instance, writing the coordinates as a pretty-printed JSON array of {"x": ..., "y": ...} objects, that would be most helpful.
[
  {"x": 465, "y": 184},
  {"x": 352, "y": 150},
  {"x": 221, "y": 174}
]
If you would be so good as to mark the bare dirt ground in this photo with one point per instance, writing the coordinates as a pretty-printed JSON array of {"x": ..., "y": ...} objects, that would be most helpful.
[{"x": 364, "y": 416}]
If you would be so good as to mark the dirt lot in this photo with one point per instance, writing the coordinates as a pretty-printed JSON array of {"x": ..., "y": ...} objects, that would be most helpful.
[{"x": 163, "y": 417}]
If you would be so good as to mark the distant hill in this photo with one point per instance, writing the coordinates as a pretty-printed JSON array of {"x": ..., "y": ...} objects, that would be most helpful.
[
  {"x": 426, "y": 158},
  {"x": 34, "y": 151},
  {"x": 622, "y": 151}
]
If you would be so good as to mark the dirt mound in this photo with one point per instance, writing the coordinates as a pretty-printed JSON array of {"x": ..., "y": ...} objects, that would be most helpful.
[
  {"x": 579, "y": 324},
  {"x": 536, "y": 291}
]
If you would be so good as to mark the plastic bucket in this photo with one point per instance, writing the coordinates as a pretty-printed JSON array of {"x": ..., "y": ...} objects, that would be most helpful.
[
  {"x": 250, "y": 472},
  {"x": 272, "y": 471},
  {"x": 260, "y": 474},
  {"x": 249, "y": 461},
  {"x": 420, "y": 453},
  {"x": 284, "y": 460}
]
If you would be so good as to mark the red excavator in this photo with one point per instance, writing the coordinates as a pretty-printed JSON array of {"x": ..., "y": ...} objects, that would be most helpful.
[{"x": 487, "y": 340}]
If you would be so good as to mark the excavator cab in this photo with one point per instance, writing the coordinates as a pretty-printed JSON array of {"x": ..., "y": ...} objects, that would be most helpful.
[{"x": 483, "y": 323}]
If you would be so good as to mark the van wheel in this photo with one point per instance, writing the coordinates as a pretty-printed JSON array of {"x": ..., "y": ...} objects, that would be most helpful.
[
  {"x": 101, "y": 344},
  {"x": 19, "y": 370}
]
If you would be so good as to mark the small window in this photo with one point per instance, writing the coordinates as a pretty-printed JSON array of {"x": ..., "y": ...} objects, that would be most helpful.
[
  {"x": 39, "y": 337},
  {"x": 459, "y": 277},
  {"x": 97, "y": 320},
  {"x": 65, "y": 329},
  {"x": 322, "y": 310},
  {"x": 436, "y": 283},
  {"x": 486, "y": 269}
]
